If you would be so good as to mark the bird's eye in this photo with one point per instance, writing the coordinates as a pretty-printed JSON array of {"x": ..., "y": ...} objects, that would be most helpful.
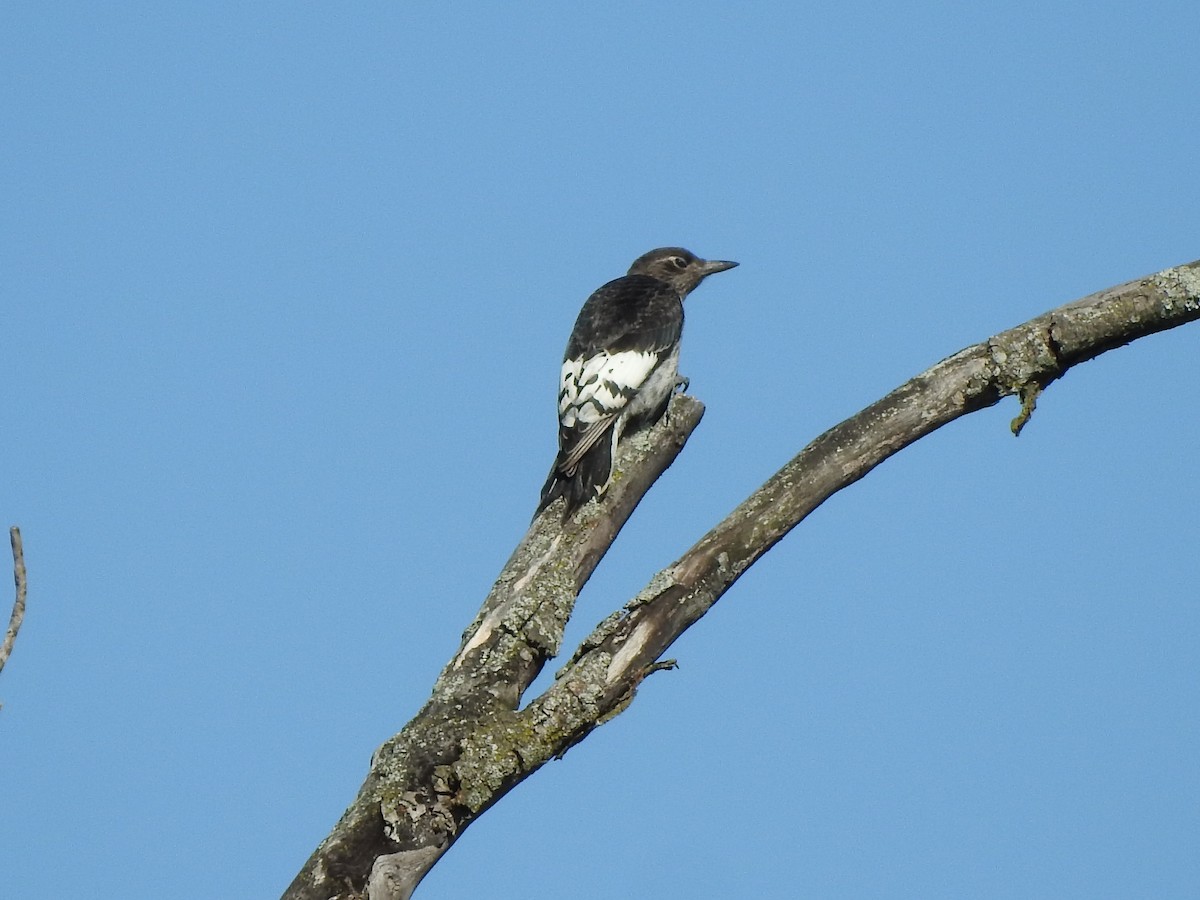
[{"x": 679, "y": 262}]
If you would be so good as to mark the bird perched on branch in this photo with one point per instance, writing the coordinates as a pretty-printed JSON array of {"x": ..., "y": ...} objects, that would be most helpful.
[{"x": 620, "y": 368}]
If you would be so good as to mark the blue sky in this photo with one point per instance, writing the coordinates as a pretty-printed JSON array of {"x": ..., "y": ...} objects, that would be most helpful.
[{"x": 284, "y": 292}]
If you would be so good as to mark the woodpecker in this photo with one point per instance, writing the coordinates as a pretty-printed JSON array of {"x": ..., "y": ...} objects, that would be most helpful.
[{"x": 620, "y": 368}]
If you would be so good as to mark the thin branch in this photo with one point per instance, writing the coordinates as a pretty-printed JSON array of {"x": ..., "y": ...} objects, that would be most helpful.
[
  {"x": 18, "y": 610},
  {"x": 522, "y": 620},
  {"x": 472, "y": 743}
]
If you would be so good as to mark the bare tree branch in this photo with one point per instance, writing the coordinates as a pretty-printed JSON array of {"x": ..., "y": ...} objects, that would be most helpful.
[
  {"x": 387, "y": 833},
  {"x": 1022, "y": 361},
  {"x": 18, "y": 610},
  {"x": 472, "y": 743}
]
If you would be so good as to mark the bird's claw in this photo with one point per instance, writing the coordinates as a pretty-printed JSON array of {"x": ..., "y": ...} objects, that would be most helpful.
[{"x": 681, "y": 384}]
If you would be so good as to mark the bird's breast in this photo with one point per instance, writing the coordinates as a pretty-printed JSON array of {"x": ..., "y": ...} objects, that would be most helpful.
[{"x": 656, "y": 388}]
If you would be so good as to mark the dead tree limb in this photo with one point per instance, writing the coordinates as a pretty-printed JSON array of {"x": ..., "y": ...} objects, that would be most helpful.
[
  {"x": 472, "y": 742},
  {"x": 18, "y": 610}
]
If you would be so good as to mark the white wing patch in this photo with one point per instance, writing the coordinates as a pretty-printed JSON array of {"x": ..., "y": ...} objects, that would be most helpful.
[{"x": 600, "y": 386}]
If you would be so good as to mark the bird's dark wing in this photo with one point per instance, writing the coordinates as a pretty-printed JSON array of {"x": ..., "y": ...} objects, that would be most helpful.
[
  {"x": 622, "y": 334},
  {"x": 634, "y": 312}
]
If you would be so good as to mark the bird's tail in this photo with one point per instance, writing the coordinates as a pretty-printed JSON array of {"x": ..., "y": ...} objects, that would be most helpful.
[{"x": 589, "y": 479}]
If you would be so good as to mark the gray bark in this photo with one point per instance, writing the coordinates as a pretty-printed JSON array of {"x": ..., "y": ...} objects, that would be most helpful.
[
  {"x": 18, "y": 610},
  {"x": 472, "y": 742}
]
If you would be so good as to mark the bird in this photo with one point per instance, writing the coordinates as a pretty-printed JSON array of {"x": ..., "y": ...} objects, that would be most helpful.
[{"x": 620, "y": 368}]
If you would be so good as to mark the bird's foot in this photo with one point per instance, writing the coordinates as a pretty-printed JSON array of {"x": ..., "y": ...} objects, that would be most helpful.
[{"x": 664, "y": 414}]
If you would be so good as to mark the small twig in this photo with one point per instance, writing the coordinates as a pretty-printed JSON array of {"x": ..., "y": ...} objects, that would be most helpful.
[
  {"x": 18, "y": 612},
  {"x": 1029, "y": 394},
  {"x": 663, "y": 665}
]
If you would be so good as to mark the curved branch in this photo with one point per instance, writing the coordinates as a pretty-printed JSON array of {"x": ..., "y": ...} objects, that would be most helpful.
[
  {"x": 1021, "y": 361},
  {"x": 471, "y": 744},
  {"x": 18, "y": 610}
]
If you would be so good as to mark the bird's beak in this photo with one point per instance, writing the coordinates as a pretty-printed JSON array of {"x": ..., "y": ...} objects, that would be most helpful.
[{"x": 712, "y": 266}]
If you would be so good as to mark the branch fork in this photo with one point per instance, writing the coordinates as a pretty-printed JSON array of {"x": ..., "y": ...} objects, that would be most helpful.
[{"x": 472, "y": 742}]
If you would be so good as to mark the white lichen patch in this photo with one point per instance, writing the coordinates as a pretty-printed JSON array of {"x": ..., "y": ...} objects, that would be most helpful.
[{"x": 1181, "y": 283}]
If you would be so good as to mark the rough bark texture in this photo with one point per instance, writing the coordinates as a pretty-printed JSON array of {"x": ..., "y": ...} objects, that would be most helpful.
[{"x": 471, "y": 743}]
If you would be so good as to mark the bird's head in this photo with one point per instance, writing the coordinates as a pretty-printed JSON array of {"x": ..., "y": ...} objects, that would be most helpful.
[{"x": 680, "y": 268}]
